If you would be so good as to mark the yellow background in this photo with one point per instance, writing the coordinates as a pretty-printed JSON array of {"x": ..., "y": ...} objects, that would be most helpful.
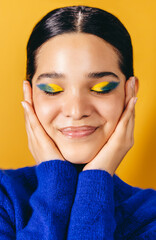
[{"x": 17, "y": 18}]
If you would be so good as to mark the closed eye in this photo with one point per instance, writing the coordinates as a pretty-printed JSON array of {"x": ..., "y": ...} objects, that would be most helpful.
[
  {"x": 100, "y": 88},
  {"x": 104, "y": 87},
  {"x": 51, "y": 89}
]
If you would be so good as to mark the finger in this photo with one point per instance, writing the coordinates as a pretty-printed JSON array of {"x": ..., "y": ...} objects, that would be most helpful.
[
  {"x": 28, "y": 97},
  {"x": 28, "y": 127},
  {"x": 27, "y": 90},
  {"x": 27, "y": 122},
  {"x": 28, "y": 130},
  {"x": 129, "y": 111},
  {"x": 130, "y": 125},
  {"x": 25, "y": 115},
  {"x": 130, "y": 89},
  {"x": 132, "y": 94},
  {"x": 35, "y": 124}
]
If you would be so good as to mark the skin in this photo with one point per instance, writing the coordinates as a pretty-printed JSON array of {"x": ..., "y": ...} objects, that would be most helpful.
[{"x": 75, "y": 55}]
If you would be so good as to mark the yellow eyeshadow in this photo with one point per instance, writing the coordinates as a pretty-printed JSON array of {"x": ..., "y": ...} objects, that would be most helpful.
[
  {"x": 98, "y": 87},
  {"x": 55, "y": 87},
  {"x": 102, "y": 87}
]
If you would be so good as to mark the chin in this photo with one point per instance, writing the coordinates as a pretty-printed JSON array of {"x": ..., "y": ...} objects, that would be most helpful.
[
  {"x": 82, "y": 151},
  {"x": 78, "y": 161},
  {"x": 79, "y": 157}
]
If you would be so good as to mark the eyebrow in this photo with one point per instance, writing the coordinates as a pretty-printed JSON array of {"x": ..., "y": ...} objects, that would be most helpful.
[{"x": 93, "y": 75}]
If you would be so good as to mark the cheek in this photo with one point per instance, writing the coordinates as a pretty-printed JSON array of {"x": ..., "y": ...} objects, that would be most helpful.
[
  {"x": 45, "y": 110},
  {"x": 112, "y": 108}
]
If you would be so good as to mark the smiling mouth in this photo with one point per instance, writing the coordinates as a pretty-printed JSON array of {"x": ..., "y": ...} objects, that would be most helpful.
[{"x": 78, "y": 133}]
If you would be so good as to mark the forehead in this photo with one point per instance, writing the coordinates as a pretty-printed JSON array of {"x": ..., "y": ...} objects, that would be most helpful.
[
  {"x": 76, "y": 44},
  {"x": 76, "y": 52}
]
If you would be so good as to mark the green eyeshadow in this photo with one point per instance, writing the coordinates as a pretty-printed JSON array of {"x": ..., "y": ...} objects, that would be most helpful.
[
  {"x": 105, "y": 86},
  {"x": 51, "y": 88}
]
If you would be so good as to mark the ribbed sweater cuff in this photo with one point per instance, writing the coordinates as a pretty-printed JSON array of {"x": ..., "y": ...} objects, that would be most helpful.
[{"x": 51, "y": 171}]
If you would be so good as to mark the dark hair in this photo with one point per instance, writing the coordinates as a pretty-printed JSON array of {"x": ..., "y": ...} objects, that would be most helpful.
[{"x": 86, "y": 20}]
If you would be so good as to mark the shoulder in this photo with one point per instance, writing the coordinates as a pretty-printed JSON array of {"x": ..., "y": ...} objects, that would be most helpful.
[
  {"x": 25, "y": 174},
  {"x": 14, "y": 182},
  {"x": 124, "y": 191}
]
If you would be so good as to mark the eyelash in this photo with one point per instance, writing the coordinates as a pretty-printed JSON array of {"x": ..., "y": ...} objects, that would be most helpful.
[
  {"x": 55, "y": 93},
  {"x": 104, "y": 92},
  {"x": 51, "y": 93}
]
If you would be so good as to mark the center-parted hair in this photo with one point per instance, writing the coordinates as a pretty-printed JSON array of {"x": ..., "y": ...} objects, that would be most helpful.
[{"x": 81, "y": 19}]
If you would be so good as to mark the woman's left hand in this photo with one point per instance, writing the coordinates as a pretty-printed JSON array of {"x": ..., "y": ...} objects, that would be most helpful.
[{"x": 122, "y": 139}]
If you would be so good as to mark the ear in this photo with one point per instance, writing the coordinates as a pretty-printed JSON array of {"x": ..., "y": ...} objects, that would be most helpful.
[
  {"x": 129, "y": 91},
  {"x": 136, "y": 85}
]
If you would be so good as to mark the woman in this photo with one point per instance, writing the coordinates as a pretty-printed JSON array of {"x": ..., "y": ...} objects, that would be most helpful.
[{"x": 79, "y": 100}]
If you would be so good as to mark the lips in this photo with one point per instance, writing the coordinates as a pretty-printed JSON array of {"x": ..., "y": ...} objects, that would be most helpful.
[
  {"x": 77, "y": 132},
  {"x": 82, "y": 128}
]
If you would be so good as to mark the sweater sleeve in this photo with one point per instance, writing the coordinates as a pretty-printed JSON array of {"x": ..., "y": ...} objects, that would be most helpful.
[
  {"x": 7, "y": 230},
  {"x": 92, "y": 214},
  {"x": 51, "y": 204},
  {"x": 52, "y": 201}
]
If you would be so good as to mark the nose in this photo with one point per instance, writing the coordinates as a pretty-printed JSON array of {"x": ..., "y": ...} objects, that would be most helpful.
[{"x": 76, "y": 107}]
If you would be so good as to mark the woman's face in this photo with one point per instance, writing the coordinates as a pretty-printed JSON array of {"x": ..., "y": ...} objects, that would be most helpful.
[{"x": 77, "y": 102}]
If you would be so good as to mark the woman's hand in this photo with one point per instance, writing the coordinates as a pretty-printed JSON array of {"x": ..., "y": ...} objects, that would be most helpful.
[
  {"x": 122, "y": 139},
  {"x": 40, "y": 144}
]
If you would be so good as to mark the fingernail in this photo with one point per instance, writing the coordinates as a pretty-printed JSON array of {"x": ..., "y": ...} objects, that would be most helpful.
[
  {"x": 133, "y": 82},
  {"x": 135, "y": 100}
]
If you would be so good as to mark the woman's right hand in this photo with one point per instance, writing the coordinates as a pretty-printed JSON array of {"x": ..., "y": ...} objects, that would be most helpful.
[{"x": 40, "y": 144}]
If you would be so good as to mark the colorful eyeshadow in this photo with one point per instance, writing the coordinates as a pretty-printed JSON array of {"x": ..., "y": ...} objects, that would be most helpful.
[
  {"x": 105, "y": 86},
  {"x": 49, "y": 87}
]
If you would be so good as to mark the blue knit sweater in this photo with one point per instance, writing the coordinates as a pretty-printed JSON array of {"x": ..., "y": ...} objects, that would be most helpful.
[{"x": 53, "y": 201}]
